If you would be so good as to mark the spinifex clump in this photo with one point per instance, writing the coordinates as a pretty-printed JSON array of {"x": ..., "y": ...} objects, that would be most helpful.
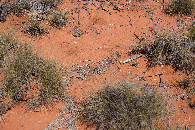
[
  {"x": 169, "y": 49},
  {"x": 123, "y": 106}
]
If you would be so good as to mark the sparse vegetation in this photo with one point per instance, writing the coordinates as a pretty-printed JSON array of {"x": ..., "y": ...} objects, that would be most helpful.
[
  {"x": 180, "y": 7},
  {"x": 169, "y": 49},
  {"x": 58, "y": 19},
  {"x": 7, "y": 42},
  {"x": 192, "y": 32},
  {"x": 18, "y": 7},
  {"x": 50, "y": 3},
  {"x": 22, "y": 67},
  {"x": 2, "y": 108},
  {"x": 123, "y": 106},
  {"x": 4, "y": 11},
  {"x": 185, "y": 83},
  {"x": 34, "y": 28}
]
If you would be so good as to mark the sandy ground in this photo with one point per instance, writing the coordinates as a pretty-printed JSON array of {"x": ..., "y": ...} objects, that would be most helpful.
[{"x": 104, "y": 33}]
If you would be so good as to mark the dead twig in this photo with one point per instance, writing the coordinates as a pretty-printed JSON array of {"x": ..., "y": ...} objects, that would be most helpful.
[
  {"x": 156, "y": 74},
  {"x": 131, "y": 59},
  {"x": 116, "y": 7}
]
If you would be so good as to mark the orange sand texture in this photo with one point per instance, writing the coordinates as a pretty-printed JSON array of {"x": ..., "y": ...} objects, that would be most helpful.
[{"x": 104, "y": 33}]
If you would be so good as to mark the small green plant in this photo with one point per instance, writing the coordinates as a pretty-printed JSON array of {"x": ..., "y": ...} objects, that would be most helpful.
[
  {"x": 34, "y": 28},
  {"x": 191, "y": 31},
  {"x": 58, "y": 19},
  {"x": 2, "y": 108},
  {"x": 123, "y": 106},
  {"x": 185, "y": 83},
  {"x": 180, "y": 7},
  {"x": 7, "y": 42},
  {"x": 168, "y": 49},
  {"x": 21, "y": 67},
  {"x": 50, "y": 3}
]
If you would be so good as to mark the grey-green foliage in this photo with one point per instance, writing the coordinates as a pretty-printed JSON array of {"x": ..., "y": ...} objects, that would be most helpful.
[
  {"x": 18, "y": 7},
  {"x": 169, "y": 49},
  {"x": 123, "y": 106},
  {"x": 185, "y": 83},
  {"x": 181, "y": 7},
  {"x": 4, "y": 11},
  {"x": 7, "y": 42},
  {"x": 191, "y": 33},
  {"x": 34, "y": 28},
  {"x": 58, "y": 19},
  {"x": 20, "y": 65},
  {"x": 50, "y": 3}
]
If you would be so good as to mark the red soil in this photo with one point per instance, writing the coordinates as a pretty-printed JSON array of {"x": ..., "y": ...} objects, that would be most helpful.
[{"x": 116, "y": 34}]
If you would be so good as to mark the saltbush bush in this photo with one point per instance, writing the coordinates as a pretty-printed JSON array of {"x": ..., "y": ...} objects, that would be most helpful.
[
  {"x": 21, "y": 66},
  {"x": 123, "y": 106},
  {"x": 185, "y": 83},
  {"x": 34, "y": 28},
  {"x": 180, "y": 7},
  {"x": 18, "y": 7},
  {"x": 169, "y": 49},
  {"x": 4, "y": 11},
  {"x": 7, "y": 42},
  {"x": 58, "y": 19},
  {"x": 191, "y": 31},
  {"x": 50, "y": 3}
]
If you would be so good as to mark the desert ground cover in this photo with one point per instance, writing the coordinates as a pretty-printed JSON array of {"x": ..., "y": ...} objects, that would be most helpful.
[{"x": 97, "y": 64}]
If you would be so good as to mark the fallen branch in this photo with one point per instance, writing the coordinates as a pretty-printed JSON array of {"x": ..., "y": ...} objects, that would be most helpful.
[
  {"x": 116, "y": 7},
  {"x": 156, "y": 74},
  {"x": 131, "y": 59}
]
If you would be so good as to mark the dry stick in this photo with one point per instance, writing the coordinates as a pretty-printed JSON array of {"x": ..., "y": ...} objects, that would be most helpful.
[
  {"x": 102, "y": 3},
  {"x": 140, "y": 40},
  {"x": 117, "y": 8},
  {"x": 131, "y": 59},
  {"x": 158, "y": 74}
]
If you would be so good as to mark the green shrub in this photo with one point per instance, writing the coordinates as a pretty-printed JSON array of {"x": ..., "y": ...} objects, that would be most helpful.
[
  {"x": 50, "y": 3},
  {"x": 180, "y": 7},
  {"x": 2, "y": 108},
  {"x": 4, "y": 11},
  {"x": 185, "y": 83},
  {"x": 168, "y": 49},
  {"x": 123, "y": 106},
  {"x": 34, "y": 28},
  {"x": 58, "y": 19},
  {"x": 20, "y": 6},
  {"x": 51, "y": 82},
  {"x": 7, "y": 42},
  {"x": 192, "y": 32},
  {"x": 21, "y": 66}
]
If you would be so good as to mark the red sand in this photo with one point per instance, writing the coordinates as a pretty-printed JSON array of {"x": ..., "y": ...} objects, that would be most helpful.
[{"x": 115, "y": 34}]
